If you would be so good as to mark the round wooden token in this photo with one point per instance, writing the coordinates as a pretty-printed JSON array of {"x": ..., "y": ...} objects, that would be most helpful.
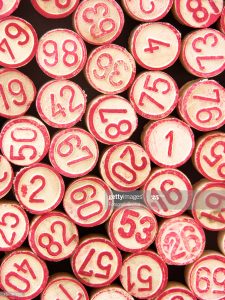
[
  {"x": 144, "y": 275},
  {"x": 169, "y": 142},
  {"x": 14, "y": 225},
  {"x": 61, "y": 103},
  {"x": 142, "y": 228},
  {"x": 180, "y": 241},
  {"x": 97, "y": 22},
  {"x": 96, "y": 262},
  {"x": 111, "y": 125},
  {"x": 112, "y": 293},
  {"x": 88, "y": 201},
  {"x": 110, "y": 69},
  {"x": 125, "y": 166},
  {"x": 17, "y": 92},
  {"x": 6, "y": 176},
  {"x": 205, "y": 277},
  {"x": 53, "y": 236},
  {"x": 23, "y": 275},
  {"x": 154, "y": 95},
  {"x": 221, "y": 241},
  {"x": 197, "y": 14},
  {"x": 55, "y": 9},
  {"x": 208, "y": 206},
  {"x": 176, "y": 291},
  {"x": 222, "y": 21},
  {"x": 24, "y": 141},
  {"x": 168, "y": 192},
  {"x": 155, "y": 46},
  {"x": 61, "y": 53},
  {"x": 209, "y": 156},
  {"x": 39, "y": 188},
  {"x": 202, "y": 52},
  {"x": 18, "y": 42},
  {"x": 73, "y": 152},
  {"x": 8, "y": 7}
]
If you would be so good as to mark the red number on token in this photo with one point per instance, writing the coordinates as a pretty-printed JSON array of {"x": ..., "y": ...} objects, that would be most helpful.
[
  {"x": 210, "y": 202},
  {"x": 199, "y": 13},
  {"x": 24, "y": 267},
  {"x": 147, "y": 11},
  {"x": 10, "y": 32},
  {"x": 169, "y": 136},
  {"x": 4, "y": 223},
  {"x": 207, "y": 282},
  {"x": 152, "y": 48},
  {"x": 59, "y": 3},
  {"x": 5, "y": 43},
  {"x": 66, "y": 293},
  {"x": 204, "y": 98},
  {"x": 33, "y": 196},
  {"x": 216, "y": 158},
  {"x": 69, "y": 52},
  {"x": 141, "y": 278},
  {"x": 53, "y": 52}
]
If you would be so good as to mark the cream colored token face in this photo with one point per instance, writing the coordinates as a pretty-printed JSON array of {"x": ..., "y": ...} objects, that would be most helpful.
[
  {"x": 221, "y": 241},
  {"x": 112, "y": 294},
  {"x": 7, "y": 7},
  {"x": 6, "y": 176},
  {"x": 176, "y": 293},
  {"x": 99, "y": 22}
]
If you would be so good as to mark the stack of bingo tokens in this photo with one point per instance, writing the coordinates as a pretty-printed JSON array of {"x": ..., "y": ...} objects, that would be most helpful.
[{"x": 112, "y": 150}]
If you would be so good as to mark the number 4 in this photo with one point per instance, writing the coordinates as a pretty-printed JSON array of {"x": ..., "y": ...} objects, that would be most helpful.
[{"x": 152, "y": 48}]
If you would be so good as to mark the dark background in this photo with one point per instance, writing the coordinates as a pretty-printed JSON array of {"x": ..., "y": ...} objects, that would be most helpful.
[{"x": 42, "y": 25}]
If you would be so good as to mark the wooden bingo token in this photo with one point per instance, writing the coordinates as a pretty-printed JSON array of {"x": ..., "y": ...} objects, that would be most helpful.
[
  {"x": 99, "y": 22},
  {"x": 14, "y": 225},
  {"x": 39, "y": 188},
  {"x": 205, "y": 277},
  {"x": 61, "y": 103},
  {"x": 168, "y": 192},
  {"x": 18, "y": 42},
  {"x": 209, "y": 156},
  {"x": 155, "y": 46},
  {"x": 222, "y": 21},
  {"x": 73, "y": 152},
  {"x": 202, "y": 52},
  {"x": 96, "y": 262},
  {"x": 180, "y": 241},
  {"x": 197, "y": 13},
  {"x": 168, "y": 142},
  {"x": 221, "y": 241},
  {"x": 110, "y": 69},
  {"x": 125, "y": 166},
  {"x": 61, "y": 53},
  {"x": 112, "y": 293},
  {"x": 6, "y": 176},
  {"x": 176, "y": 291},
  {"x": 201, "y": 104},
  {"x": 208, "y": 206},
  {"x": 17, "y": 92},
  {"x": 88, "y": 201},
  {"x": 142, "y": 228},
  {"x": 24, "y": 141},
  {"x": 154, "y": 95},
  {"x": 64, "y": 286},
  {"x": 147, "y": 11},
  {"x": 144, "y": 275},
  {"x": 55, "y": 9},
  {"x": 8, "y": 7},
  {"x": 23, "y": 274},
  {"x": 111, "y": 125},
  {"x": 53, "y": 236}
]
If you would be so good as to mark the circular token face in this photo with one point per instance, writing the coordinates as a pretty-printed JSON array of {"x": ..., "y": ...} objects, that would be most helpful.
[
  {"x": 8, "y": 7},
  {"x": 6, "y": 176},
  {"x": 222, "y": 21},
  {"x": 142, "y": 228},
  {"x": 209, "y": 156},
  {"x": 144, "y": 275},
  {"x": 23, "y": 274},
  {"x": 96, "y": 262},
  {"x": 17, "y": 92},
  {"x": 169, "y": 142},
  {"x": 155, "y": 46},
  {"x": 125, "y": 167},
  {"x": 176, "y": 293},
  {"x": 206, "y": 277},
  {"x": 88, "y": 201},
  {"x": 24, "y": 141},
  {"x": 53, "y": 236},
  {"x": 14, "y": 226},
  {"x": 64, "y": 287},
  {"x": 202, "y": 52},
  {"x": 198, "y": 13},
  {"x": 61, "y": 53},
  {"x": 55, "y": 9},
  {"x": 168, "y": 192},
  {"x": 73, "y": 152},
  {"x": 111, "y": 125},
  {"x": 112, "y": 293},
  {"x": 18, "y": 42},
  {"x": 221, "y": 241},
  {"x": 154, "y": 95},
  {"x": 147, "y": 11},
  {"x": 39, "y": 188},
  {"x": 208, "y": 207},
  {"x": 61, "y": 103},
  {"x": 180, "y": 241},
  {"x": 110, "y": 69},
  {"x": 201, "y": 105},
  {"x": 99, "y": 22}
]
